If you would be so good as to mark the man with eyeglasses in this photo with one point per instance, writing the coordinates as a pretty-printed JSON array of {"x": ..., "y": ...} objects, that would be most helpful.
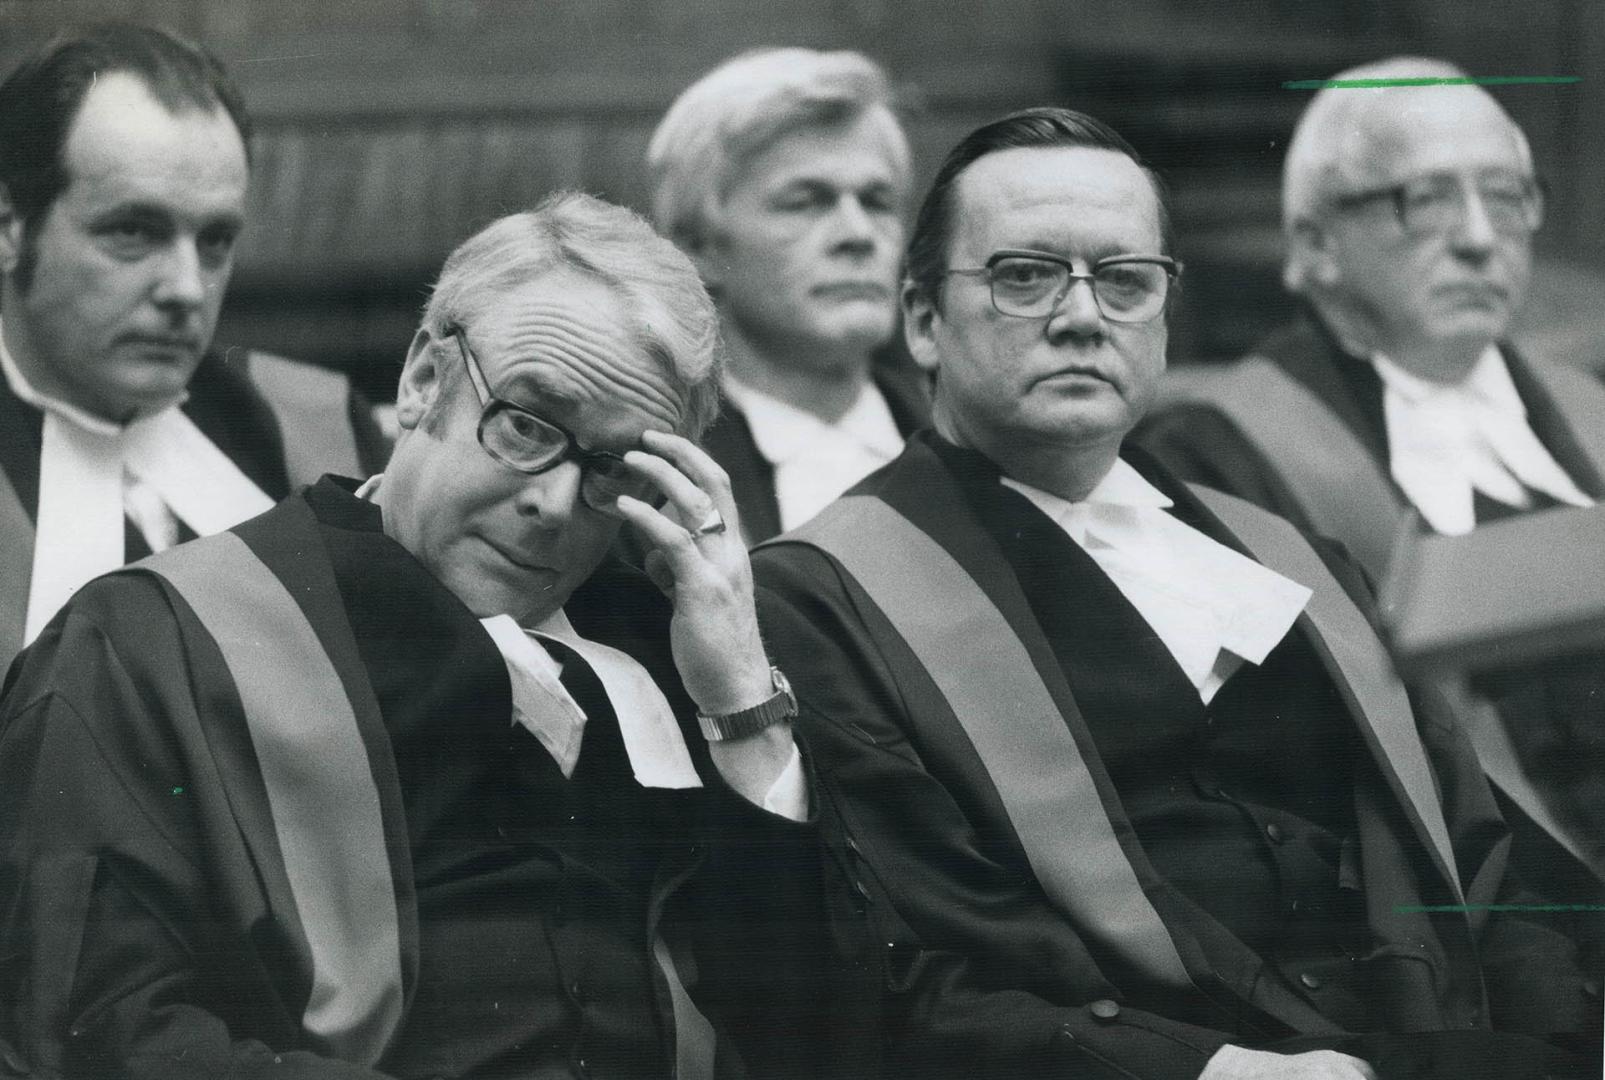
[
  {"x": 1116, "y": 769},
  {"x": 1409, "y": 213},
  {"x": 1395, "y": 401},
  {"x": 407, "y": 777}
]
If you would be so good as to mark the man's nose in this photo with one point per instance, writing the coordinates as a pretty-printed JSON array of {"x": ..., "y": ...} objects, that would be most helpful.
[
  {"x": 1475, "y": 232},
  {"x": 1077, "y": 313},
  {"x": 552, "y": 496},
  {"x": 852, "y": 225},
  {"x": 182, "y": 279}
]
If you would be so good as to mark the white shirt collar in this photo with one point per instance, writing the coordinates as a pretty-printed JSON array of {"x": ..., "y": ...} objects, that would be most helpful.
[
  {"x": 1212, "y": 607},
  {"x": 784, "y": 433},
  {"x": 814, "y": 461},
  {"x": 1488, "y": 383}
]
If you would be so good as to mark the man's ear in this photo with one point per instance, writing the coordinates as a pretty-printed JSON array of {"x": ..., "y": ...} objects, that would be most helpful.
[
  {"x": 919, "y": 325},
  {"x": 1309, "y": 248},
  {"x": 707, "y": 254},
  {"x": 421, "y": 380},
  {"x": 10, "y": 233}
]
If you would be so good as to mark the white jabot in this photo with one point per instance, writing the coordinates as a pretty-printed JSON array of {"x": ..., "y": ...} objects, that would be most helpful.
[
  {"x": 1444, "y": 441},
  {"x": 1212, "y": 607},
  {"x": 157, "y": 470},
  {"x": 652, "y": 739},
  {"x": 815, "y": 461}
]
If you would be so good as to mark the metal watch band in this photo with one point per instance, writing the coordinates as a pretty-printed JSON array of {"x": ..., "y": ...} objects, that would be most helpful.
[{"x": 782, "y": 705}]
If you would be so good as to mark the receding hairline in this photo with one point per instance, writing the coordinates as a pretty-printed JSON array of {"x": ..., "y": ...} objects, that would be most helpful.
[{"x": 960, "y": 209}]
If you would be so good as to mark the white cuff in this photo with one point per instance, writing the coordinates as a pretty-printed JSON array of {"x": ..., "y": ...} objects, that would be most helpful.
[{"x": 788, "y": 795}]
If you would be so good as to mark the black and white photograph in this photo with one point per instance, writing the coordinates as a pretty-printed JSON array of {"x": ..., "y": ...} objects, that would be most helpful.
[{"x": 836, "y": 540}]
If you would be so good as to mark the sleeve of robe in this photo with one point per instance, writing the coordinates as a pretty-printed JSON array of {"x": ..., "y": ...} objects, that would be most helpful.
[{"x": 128, "y": 946}]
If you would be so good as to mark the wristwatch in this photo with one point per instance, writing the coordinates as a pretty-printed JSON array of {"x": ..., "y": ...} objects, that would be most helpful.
[{"x": 782, "y": 705}]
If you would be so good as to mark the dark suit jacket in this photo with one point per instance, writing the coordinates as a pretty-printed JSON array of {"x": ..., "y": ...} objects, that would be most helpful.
[{"x": 752, "y": 479}]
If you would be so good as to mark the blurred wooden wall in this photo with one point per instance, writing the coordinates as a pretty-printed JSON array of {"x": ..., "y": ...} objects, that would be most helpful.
[{"x": 388, "y": 131}]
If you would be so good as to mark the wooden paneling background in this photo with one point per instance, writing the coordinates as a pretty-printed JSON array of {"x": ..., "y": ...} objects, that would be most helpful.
[{"x": 387, "y": 131}]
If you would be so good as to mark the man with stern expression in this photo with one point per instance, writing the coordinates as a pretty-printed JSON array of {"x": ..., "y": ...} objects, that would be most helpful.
[{"x": 1122, "y": 775}]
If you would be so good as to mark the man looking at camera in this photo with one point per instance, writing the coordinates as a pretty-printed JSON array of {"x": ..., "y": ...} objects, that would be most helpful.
[
  {"x": 405, "y": 778},
  {"x": 1121, "y": 775}
]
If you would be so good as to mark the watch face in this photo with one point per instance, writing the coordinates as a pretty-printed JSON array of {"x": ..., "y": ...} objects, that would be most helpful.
[{"x": 783, "y": 686}]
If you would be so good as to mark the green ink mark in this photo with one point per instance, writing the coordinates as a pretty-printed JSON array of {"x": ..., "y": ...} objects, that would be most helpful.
[
  {"x": 1436, "y": 908},
  {"x": 1478, "y": 80},
  {"x": 178, "y": 791}
]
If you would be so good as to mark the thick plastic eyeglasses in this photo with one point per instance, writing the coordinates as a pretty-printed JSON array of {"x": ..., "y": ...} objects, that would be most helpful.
[
  {"x": 1513, "y": 203},
  {"x": 529, "y": 443},
  {"x": 1032, "y": 284}
]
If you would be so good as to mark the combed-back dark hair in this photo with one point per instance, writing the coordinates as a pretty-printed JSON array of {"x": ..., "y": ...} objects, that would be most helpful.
[
  {"x": 40, "y": 99},
  {"x": 1045, "y": 126}
]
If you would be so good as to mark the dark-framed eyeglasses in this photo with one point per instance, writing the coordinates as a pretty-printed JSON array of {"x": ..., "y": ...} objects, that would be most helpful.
[
  {"x": 529, "y": 443},
  {"x": 1032, "y": 284},
  {"x": 1439, "y": 202}
]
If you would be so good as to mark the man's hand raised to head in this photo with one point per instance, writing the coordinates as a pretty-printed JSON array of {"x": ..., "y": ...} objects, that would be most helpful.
[
  {"x": 698, "y": 559},
  {"x": 1237, "y": 1063}
]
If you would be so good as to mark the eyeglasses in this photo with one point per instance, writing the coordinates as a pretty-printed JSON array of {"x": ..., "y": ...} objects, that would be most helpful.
[
  {"x": 1032, "y": 284},
  {"x": 1439, "y": 202},
  {"x": 522, "y": 440}
]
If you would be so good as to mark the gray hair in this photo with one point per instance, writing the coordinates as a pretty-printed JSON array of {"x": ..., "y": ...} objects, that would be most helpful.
[
  {"x": 675, "y": 321},
  {"x": 741, "y": 107},
  {"x": 1326, "y": 137}
]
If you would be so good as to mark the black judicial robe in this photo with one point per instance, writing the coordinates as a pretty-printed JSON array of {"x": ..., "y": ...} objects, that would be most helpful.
[
  {"x": 1553, "y": 712},
  {"x": 141, "y": 926},
  {"x": 1298, "y": 852}
]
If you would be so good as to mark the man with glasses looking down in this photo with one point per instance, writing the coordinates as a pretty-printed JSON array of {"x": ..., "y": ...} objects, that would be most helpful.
[
  {"x": 1116, "y": 768},
  {"x": 407, "y": 777},
  {"x": 1395, "y": 400}
]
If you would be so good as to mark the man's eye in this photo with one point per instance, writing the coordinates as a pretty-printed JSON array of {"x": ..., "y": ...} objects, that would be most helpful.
[
  {"x": 216, "y": 245},
  {"x": 132, "y": 238},
  {"x": 1429, "y": 196},
  {"x": 524, "y": 427},
  {"x": 1022, "y": 272},
  {"x": 804, "y": 199},
  {"x": 879, "y": 201}
]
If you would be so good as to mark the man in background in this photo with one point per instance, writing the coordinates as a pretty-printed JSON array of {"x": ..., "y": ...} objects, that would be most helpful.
[
  {"x": 1408, "y": 214},
  {"x": 124, "y": 162},
  {"x": 785, "y": 173}
]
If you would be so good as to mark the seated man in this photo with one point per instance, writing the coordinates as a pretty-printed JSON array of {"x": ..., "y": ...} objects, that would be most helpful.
[
  {"x": 784, "y": 173},
  {"x": 123, "y": 168},
  {"x": 1409, "y": 215},
  {"x": 1121, "y": 772},
  {"x": 400, "y": 778}
]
